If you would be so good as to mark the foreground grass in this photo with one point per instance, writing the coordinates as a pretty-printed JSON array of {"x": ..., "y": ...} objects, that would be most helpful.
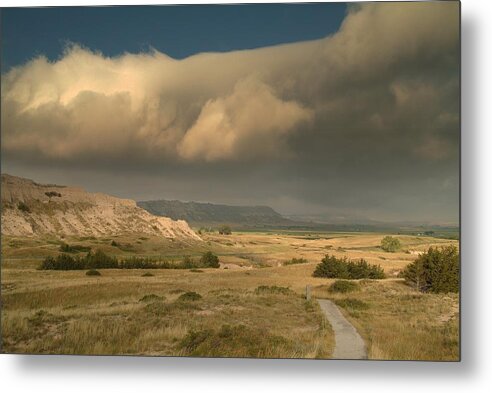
[
  {"x": 131, "y": 314},
  {"x": 399, "y": 323}
]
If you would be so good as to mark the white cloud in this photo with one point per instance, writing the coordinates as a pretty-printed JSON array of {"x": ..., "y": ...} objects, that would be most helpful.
[{"x": 242, "y": 105}]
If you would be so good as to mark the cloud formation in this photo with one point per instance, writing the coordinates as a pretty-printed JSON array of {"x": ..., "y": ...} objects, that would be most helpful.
[
  {"x": 377, "y": 100},
  {"x": 251, "y": 121},
  {"x": 218, "y": 106}
]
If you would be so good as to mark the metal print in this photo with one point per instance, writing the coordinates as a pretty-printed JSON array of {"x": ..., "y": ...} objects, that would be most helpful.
[{"x": 262, "y": 180}]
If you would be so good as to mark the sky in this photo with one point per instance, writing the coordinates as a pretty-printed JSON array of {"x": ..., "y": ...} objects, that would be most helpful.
[{"x": 313, "y": 109}]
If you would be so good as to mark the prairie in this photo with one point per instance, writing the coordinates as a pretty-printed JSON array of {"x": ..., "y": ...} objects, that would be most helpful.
[{"x": 253, "y": 306}]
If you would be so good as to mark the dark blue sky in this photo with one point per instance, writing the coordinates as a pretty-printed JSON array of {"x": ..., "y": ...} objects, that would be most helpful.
[{"x": 178, "y": 31}]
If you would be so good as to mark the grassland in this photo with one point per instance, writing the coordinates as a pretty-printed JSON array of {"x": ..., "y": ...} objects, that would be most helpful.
[{"x": 124, "y": 312}]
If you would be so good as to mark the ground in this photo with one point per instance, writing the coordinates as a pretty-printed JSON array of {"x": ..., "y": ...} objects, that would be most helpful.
[{"x": 253, "y": 306}]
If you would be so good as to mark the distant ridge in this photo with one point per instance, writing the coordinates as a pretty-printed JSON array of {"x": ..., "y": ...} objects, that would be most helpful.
[{"x": 209, "y": 213}]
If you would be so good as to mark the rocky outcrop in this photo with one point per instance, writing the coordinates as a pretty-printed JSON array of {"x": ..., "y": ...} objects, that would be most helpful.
[{"x": 32, "y": 209}]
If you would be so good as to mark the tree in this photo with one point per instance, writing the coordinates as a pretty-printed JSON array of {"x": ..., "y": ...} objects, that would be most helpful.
[
  {"x": 390, "y": 244},
  {"x": 51, "y": 194},
  {"x": 225, "y": 230},
  {"x": 209, "y": 259},
  {"x": 332, "y": 267},
  {"x": 435, "y": 271}
]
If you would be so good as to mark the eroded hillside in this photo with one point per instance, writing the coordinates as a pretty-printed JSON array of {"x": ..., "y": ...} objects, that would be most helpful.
[{"x": 32, "y": 209}]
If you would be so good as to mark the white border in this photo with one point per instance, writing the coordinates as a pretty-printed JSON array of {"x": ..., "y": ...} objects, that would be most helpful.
[{"x": 124, "y": 374}]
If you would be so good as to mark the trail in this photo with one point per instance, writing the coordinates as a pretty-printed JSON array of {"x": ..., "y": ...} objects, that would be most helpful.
[{"x": 348, "y": 343}]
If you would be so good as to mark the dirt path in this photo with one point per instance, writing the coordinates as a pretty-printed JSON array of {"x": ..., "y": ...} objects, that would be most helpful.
[{"x": 348, "y": 343}]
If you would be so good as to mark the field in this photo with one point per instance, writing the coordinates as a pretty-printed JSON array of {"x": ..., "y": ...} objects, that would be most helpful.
[{"x": 253, "y": 306}]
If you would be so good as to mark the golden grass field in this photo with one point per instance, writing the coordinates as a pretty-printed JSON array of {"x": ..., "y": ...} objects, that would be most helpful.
[{"x": 123, "y": 312}]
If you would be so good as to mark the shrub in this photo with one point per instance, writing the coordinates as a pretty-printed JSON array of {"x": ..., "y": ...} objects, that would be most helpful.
[
  {"x": 296, "y": 261},
  {"x": 343, "y": 286},
  {"x": 100, "y": 260},
  {"x": 51, "y": 194},
  {"x": 142, "y": 263},
  {"x": 150, "y": 298},
  {"x": 62, "y": 262},
  {"x": 333, "y": 267},
  {"x": 194, "y": 339},
  {"x": 390, "y": 244},
  {"x": 147, "y": 274},
  {"x": 234, "y": 341},
  {"x": 264, "y": 289},
  {"x": 362, "y": 269},
  {"x": 23, "y": 207},
  {"x": 196, "y": 271},
  {"x": 187, "y": 263},
  {"x": 190, "y": 296},
  {"x": 92, "y": 272},
  {"x": 225, "y": 230},
  {"x": 209, "y": 259},
  {"x": 435, "y": 271}
]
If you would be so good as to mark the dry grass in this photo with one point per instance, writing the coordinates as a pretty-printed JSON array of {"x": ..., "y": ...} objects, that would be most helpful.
[
  {"x": 68, "y": 312},
  {"x": 105, "y": 315},
  {"x": 399, "y": 323}
]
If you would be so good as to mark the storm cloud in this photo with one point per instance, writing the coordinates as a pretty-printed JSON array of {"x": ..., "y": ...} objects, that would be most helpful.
[{"x": 364, "y": 121}]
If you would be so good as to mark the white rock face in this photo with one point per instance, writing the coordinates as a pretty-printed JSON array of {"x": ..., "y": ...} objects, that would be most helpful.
[{"x": 78, "y": 213}]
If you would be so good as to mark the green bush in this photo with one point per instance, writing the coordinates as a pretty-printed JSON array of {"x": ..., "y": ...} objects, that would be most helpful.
[
  {"x": 51, "y": 194},
  {"x": 92, "y": 272},
  {"x": 225, "y": 230},
  {"x": 63, "y": 262},
  {"x": 343, "y": 286},
  {"x": 390, "y": 244},
  {"x": 190, "y": 296},
  {"x": 333, "y": 267},
  {"x": 209, "y": 259},
  {"x": 296, "y": 261},
  {"x": 23, "y": 207},
  {"x": 100, "y": 260},
  {"x": 435, "y": 271}
]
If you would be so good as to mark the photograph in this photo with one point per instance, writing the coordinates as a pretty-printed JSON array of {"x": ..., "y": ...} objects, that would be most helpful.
[{"x": 274, "y": 180}]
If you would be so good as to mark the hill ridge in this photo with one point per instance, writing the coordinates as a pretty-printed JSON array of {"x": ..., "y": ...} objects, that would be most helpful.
[{"x": 213, "y": 213}]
